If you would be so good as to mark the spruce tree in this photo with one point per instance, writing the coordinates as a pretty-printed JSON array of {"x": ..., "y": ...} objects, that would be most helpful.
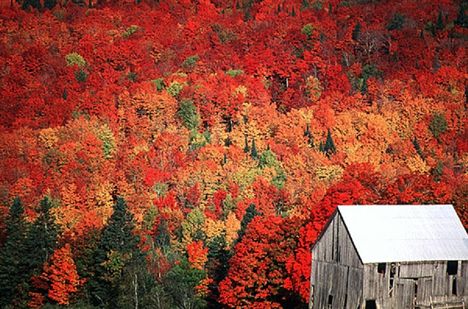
[
  {"x": 50, "y": 4},
  {"x": 13, "y": 265},
  {"x": 438, "y": 125},
  {"x": 250, "y": 213},
  {"x": 181, "y": 285},
  {"x": 218, "y": 260},
  {"x": 42, "y": 238},
  {"x": 35, "y": 4},
  {"x": 162, "y": 238},
  {"x": 253, "y": 150},
  {"x": 310, "y": 137},
  {"x": 307, "y": 131},
  {"x": 189, "y": 115},
  {"x": 417, "y": 147},
  {"x": 117, "y": 257},
  {"x": 225, "y": 160},
  {"x": 227, "y": 142},
  {"x": 440, "y": 21},
  {"x": 329, "y": 148},
  {"x": 356, "y": 32},
  {"x": 246, "y": 144},
  {"x": 462, "y": 17}
]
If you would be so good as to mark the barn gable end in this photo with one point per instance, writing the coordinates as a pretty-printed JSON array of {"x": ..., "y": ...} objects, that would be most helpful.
[{"x": 337, "y": 266}]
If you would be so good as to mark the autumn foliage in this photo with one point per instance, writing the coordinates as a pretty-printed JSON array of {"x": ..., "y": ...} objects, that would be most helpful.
[{"x": 226, "y": 132}]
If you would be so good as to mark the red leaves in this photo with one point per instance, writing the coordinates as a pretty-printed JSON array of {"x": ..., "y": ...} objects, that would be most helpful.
[
  {"x": 268, "y": 198},
  {"x": 258, "y": 269},
  {"x": 262, "y": 72},
  {"x": 59, "y": 279},
  {"x": 154, "y": 176},
  {"x": 417, "y": 189},
  {"x": 197, "y": 254},
  {"x": 62, "y": 276}
]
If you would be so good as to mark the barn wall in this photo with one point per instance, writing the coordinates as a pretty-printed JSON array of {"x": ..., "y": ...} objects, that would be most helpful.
[
  {"x": 415, "y": 284},
  {"x": 336, "y": 269}
]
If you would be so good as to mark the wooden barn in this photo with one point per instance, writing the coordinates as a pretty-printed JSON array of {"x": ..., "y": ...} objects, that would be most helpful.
[{"x": 391, "y": 257}]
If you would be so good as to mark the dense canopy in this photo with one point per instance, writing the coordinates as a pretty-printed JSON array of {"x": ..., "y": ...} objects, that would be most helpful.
[{"x": 215, "y": 138}]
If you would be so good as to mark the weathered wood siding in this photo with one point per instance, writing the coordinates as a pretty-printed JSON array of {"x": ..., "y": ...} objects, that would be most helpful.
[
  {"x": 464, "y": 279},
  {"x": 415, "y": 284},
  {"x": 336, "y": 270}
]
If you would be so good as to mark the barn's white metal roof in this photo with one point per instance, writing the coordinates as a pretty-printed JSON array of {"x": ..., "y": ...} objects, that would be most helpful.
[{"x": 385, "y": 233}]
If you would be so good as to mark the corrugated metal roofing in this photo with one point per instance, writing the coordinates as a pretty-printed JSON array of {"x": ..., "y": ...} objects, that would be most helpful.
[{"x": 385, "y": 233}]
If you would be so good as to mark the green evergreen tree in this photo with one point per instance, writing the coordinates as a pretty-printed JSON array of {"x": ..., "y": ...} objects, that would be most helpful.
[
  {"x": 117, "y": 257},
  {"x": 440, "y": 21},
  {"x": 50, "y": 4},
  {"x": 462, "y": 17},
  {"x": 250, "y": 213},
  {"x": 181, "y": 282},
  {"x": 35, "y": 4},
  {"x": 225, "y": 160},
  {"x": 217, "y": 265},
  {"x": 321, "y": 147},
  {"x": 307, "y": 131},
  {"x": 253, "y": 150},
  {"x": 13, "y": 265},
  {"x": 42, "y": 237},
  {"x": 246, "y": 144},
  {"x": 189, "y": 115},
  {"x": 84, "y": 255},
  {"x": 162, "y": 238},
  {"x": 310, "y": 137},
  {"x": 356, "y": 32},
  {"x": 329, "y": 148},
  {"x": 396, "y": 23},
  {"x": 438, "y": 125},
  {"x": 417, "y": 147}
]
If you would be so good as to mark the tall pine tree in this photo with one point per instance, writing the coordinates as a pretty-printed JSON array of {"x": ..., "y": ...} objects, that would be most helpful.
[
  {"x": 42, "y": 237},
  {"x": 13, "y": 265},
  {"x": 329, "y": 148},
  {"x": 250, "y": 213},
  {"x": 253, "y": 150},
  {"x": 117, "y": 259}
]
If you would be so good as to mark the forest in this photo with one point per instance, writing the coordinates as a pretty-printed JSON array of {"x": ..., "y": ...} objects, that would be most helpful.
[{"x": 187, "y": 154}]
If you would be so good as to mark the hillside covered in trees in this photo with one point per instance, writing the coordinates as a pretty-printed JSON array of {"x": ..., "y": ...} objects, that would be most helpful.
[{"x": 186, "y": 154}]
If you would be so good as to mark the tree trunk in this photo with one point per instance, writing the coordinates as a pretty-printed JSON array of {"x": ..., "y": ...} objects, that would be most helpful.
[{"x": 135, "y": 286}]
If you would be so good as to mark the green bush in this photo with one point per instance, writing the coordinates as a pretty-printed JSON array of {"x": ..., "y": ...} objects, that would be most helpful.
[
  {"x": 234, "y": 73},
  {"x": 188, "y": 113},
  {"x": 132, "y": 76},
  {"x": 438, "y": 125},
  {"x": 159, "y": 83},
  {"x": 190, "y": 62},
  {"x": 81, "y": 76},
  {"x": 308, "y": 30},
  {"x": 75, "y": 59},
  {"x": 130, "y": 30},
  {"x": 175, "y": 88},
  {"x": 108, "y": 141},
  {"x": 396, "y": 22}
]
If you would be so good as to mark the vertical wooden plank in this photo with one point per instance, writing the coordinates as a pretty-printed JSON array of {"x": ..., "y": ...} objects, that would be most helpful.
[
  {"x": 404, "y": 293},
  {"x": 424, "y": 291},
  {"x": 464, "y": 278},
  {"x": 354, "y": 288},
  {"x": 440, "y": 279}
]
